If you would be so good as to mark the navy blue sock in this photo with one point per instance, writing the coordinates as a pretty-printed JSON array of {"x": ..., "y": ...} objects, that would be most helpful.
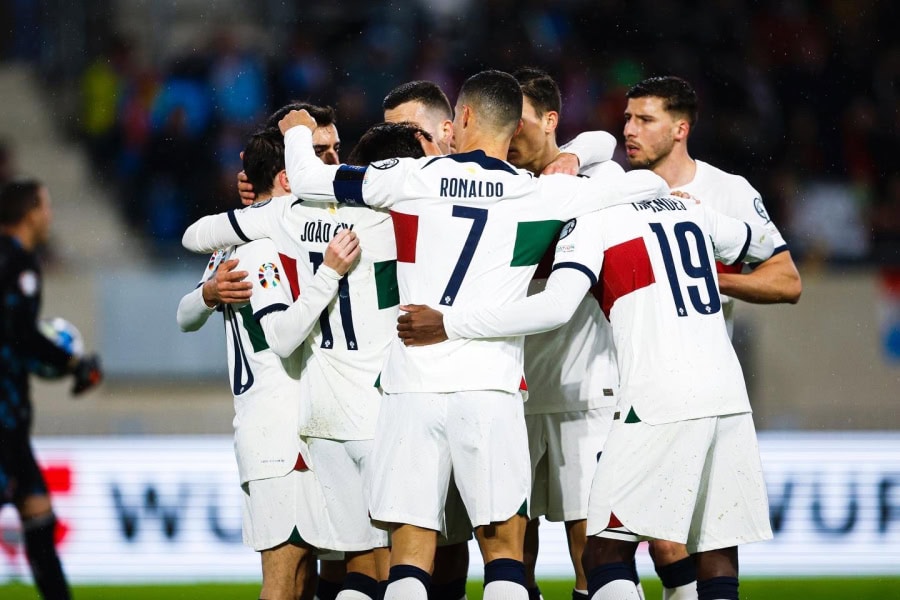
[
  {"x": 382, "y": 588},
  {"x": 718, "y": 588},
  {"x": 505, "y": 569},
  {"x": 600, "y": 576},
  {"x": 634, "y": 574},
  {"x": 679, "y": 573},
  {"x": 361, "y": 583},
  {"x": 452, "y": 590},
  {"x": 578, "y": 595},
  {"x": 43, "y": 559},
  {"x": 327, "y": 590},
  {"x": 403, "y": 571},
  {"x": 534, "y": 593}
]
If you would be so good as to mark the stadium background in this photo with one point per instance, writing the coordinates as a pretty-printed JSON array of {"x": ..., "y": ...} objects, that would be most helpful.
[{"x": 134, "y": 113}]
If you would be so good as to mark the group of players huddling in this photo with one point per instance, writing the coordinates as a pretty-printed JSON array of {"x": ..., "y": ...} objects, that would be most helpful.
[{"x": 376, "y": 315}]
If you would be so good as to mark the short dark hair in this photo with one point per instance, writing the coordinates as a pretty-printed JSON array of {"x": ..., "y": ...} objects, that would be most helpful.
[
  {"x": 17, "y": 199},
  {"x": 496, "y": 97},
  {"x": 388, "y": 140},
  {"x": 540, "y": 88},
  {"x": 429, "y": 94},
  {"x": 264, "y": 158},
  {"x": 324, "y": 115},
  {"x": 676, "y": 93}
]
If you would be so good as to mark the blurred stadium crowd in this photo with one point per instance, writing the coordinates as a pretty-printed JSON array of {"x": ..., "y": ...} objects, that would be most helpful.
[{"x": 801, "y": 97}]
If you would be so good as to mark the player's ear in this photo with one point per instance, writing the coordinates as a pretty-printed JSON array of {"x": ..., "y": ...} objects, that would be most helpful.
[
  {"x": 682, "y": 129},
  {"x": 551, "y": 121},
  {"x": 283, "y": 180},
  {"x": 519, "y": 126},
  {"x": 446, "y": 131}
]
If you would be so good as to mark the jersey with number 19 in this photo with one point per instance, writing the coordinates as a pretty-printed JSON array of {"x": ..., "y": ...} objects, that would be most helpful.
[
  {"x": 468, "y": 227},
  {"x": 660, "y": 292}
]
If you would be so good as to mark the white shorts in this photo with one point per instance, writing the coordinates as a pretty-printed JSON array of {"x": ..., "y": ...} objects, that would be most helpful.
[
  {"x": 696, "y": 482},
  {"x": 564, "y": 448},
  {"x": 457, "y": 522},
  {"x": 273, "y": 508},
  {"x": 343, "y": 472},
  {"x": 422, "y": 437}
]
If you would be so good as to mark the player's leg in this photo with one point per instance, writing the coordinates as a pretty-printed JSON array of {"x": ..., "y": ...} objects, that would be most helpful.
[
  {"x": 361, "y": 582},
  {"x": 280, "y": 568},
  {"x": 576, "y": 536},
  {"x": 489, "y": 449},
  {"x": 38, "y": 521},
  {"x": 412, "y": 557},
  {"x": 451, "y": 569},
  {"x": 331, "y": 578},
  {"x": 530, "y": 551},
  {"x": 608, "y": 564},
  {"x": 502, "y": 548},
  {"x": 409, "y": 481},
  {"x": 306, "y": 579},
  {"x": 717, "y": 574},
  {"x": 38, "y": 529},
  {"x": 676, "y": 570},
  {"x": 537, "y": 505}
]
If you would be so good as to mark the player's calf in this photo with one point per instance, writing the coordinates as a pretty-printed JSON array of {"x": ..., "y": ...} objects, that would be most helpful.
[{"x": 42, "y": 557}]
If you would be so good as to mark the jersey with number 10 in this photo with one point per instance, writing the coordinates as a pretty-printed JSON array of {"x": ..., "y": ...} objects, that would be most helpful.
[
  {"x": 346, "y": 349},
  {"x": 468, "y": 228}
]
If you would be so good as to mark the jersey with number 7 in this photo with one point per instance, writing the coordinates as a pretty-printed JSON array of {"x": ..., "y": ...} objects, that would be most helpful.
[{"x": 468, "y": 228}]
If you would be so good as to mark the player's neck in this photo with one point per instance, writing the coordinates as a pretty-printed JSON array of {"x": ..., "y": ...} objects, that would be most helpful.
[
  {"x": 678, "y": 169},
  {"x": 548, "y": 155},
  {"x": 491, "y": 146}
]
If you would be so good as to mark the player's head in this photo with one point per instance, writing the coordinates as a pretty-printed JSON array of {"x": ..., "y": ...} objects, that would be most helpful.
[
  {"x": 426, "y": 105},
  {"x": 658, "y": 118},
  {"x": 326, "y": 141},
  {"x": 541, "y": 104},
  {"x": 490, "y": 105},
  {"x": 25, "y": 211},
  {"x": 264, "y": 163},
  {"x": 389, "y": 140}
]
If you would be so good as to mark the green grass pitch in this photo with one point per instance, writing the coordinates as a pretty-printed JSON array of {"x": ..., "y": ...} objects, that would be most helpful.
[{"x": 863, "y": 588}]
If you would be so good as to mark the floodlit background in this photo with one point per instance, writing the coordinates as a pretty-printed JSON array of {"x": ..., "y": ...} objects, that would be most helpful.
[{"x": 134, "y": 113}]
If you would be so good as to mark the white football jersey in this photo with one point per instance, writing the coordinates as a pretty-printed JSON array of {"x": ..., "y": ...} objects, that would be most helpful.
[
  {"x": 266, "y": 388},
  {"x": 731, "y": 195},
  {"x": 573, "y": 367},
  {"x": 468, "y": 227},
  {"x": 346, "y": 349},
  {"x": 658, "y": 286}
]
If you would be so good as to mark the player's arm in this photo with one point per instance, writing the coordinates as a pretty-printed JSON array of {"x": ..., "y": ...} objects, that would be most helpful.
[
  {"x": 736, "y": 241},
  {"x": 234, "y": 227},
  {"x": 285, "y": 324},
  {"x": 221, "y": 284},
  {"x": 34, "y": 346},
  {"x": 421, "y": 325},
  {"x": 773, "y": 281},
  {"x": 588, "y": 148},
  {"x": 314, "y": 181},
  {"x": 572, "y": 197}
]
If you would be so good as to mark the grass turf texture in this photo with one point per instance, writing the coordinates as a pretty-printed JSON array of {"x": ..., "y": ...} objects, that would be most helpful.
[{"x": 867, "y": 588}]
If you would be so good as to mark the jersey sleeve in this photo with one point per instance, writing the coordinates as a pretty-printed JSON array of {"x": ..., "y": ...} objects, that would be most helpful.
[
  {"x": 591, "y": 147},
  {"x": 286, "y": 323},
  {"x": 21, "y": 304},
  {"x": 607, "y": 168},
  {"x": 579, "y": 247},
  {"x": 379, "y": 185},
  {"x": 544, "y": 311},
  {"x": 235, "y": 226},
  {"x": 192, "y": 311},
  {"x": 735, "y": 241},
  {"x": 752, "y": 210}
]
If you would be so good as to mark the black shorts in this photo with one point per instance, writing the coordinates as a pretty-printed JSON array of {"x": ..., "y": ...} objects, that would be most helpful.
[{"x": 20, "y": 476}]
